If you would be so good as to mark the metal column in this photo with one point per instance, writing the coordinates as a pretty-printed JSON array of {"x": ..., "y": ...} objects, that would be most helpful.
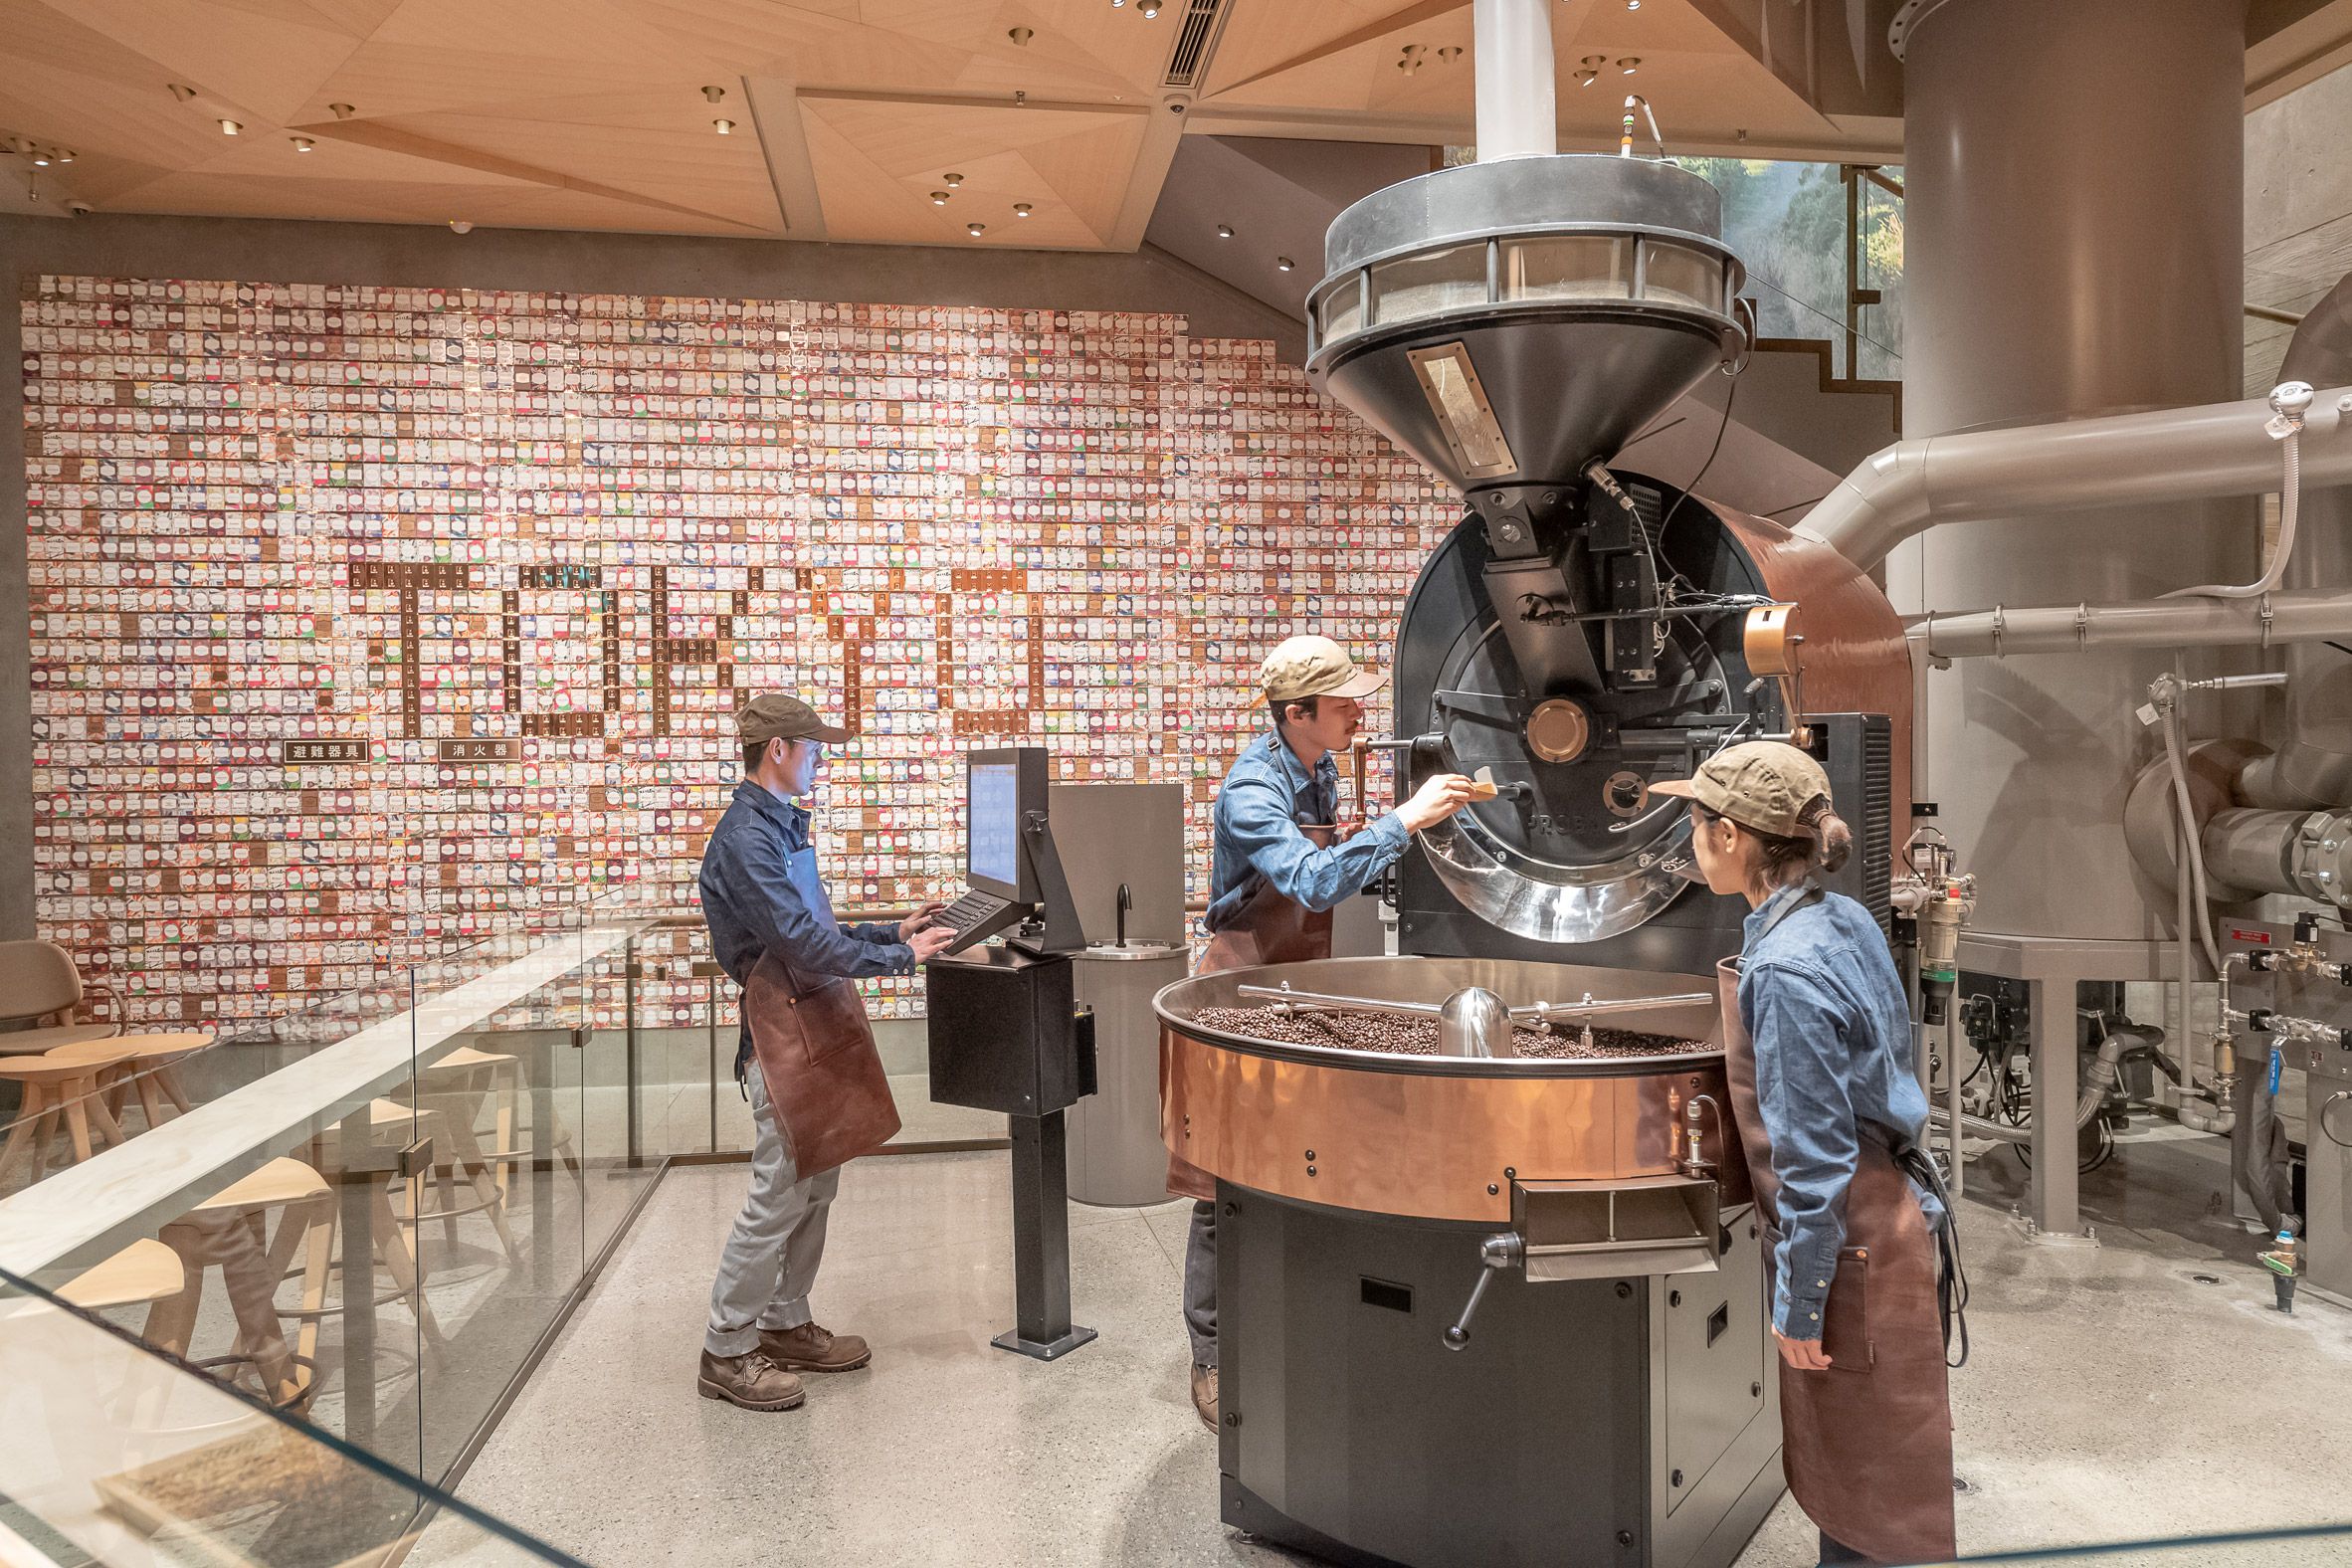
[
  {"x": 1041, "y": 1241},
  {"x": 2075, "y": 246},
  {"x": 2056, "y": 1209}
]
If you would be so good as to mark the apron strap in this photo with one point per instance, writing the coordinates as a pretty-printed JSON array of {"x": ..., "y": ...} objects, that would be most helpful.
[{"x": 1951, "y": 1279}]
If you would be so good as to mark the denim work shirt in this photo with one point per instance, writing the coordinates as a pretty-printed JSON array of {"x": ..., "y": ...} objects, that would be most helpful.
[
  {"x": 1265, "y": 796},
  {"x": 1831, "y": 1026},
  {"x": 760, "y": 895}
]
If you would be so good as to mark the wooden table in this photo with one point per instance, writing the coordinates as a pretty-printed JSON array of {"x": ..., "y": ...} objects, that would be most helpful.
[{"x": 144, "y": 1062}]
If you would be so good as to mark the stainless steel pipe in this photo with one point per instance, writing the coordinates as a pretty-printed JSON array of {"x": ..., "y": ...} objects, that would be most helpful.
[
  {"x": 1985, "y": 475},
  {"x": 1511, "y": 55},
  {"x": 2279, "y": 617}
]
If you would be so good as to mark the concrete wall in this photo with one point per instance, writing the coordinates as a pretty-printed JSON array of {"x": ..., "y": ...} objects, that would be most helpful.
[
  {"x": 2298, "y": 212},
  {"x": 517, "y": 259}
]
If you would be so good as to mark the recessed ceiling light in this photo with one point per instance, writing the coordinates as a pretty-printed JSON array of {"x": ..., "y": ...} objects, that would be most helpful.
[
  {"x": 951, "y": 181},
  {"x": 1225, "y": 231},
  {"x": 1150, "y": 8},
  {"x": 975, "y": 230},
  {"x": 1633, "y": 5},
  {"x": 714, "y": 94},
  {"x": 1020, "y": 208},
  {"x": 1284, "y": 264},
  {"x": 1021, "y": 36},
  {"x": 341, "y": 111},
  {"x": 183, "y": 93},
  {"x": 939, "y": 198},
  {"x": 462, "y": 225},
  {"x": 1585, "y": 78},
  {"x": 1631, "y": 65},
  {"x": 229, "y": 128},
  {"x": 65, "y": 157},
  {"x": 1450, "y": 53},
  {"x": 303, "y": 143},
  {"x": 725, "y": 127}
]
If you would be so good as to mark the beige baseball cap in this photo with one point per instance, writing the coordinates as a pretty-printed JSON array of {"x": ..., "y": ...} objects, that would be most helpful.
[
  {"x": 772, "y": 715},
  {"x": 1305, "y": 667},
  {"x": 1761, "y": 784}
]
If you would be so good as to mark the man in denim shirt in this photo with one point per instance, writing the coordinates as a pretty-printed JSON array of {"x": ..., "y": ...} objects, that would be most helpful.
[
  {"x": 760, "y": 896},
  {"x": 1280, "y": 864}
]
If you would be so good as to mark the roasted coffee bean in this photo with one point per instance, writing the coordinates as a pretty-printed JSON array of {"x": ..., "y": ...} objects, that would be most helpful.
[{"x": 1418, "y": 1037}]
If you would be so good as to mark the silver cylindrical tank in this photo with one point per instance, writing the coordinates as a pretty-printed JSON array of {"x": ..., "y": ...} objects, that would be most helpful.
[{"x": 2074, "y": 179}]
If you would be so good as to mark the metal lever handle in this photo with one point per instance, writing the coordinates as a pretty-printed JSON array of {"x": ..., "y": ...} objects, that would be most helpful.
[{"x": 1495, "y": 1253}]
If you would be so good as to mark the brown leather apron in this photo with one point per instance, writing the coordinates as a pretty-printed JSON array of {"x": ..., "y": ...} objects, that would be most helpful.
[
  {"x": 1868, "y": 1443},
  {"x": 816, "y": 1054},
  {"x": 1269, "y": 930}
]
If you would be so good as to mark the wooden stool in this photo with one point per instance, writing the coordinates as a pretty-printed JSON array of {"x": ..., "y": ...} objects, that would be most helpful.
[
  {"x": 455, "y": 1085},
  {"x": 39, "y": 1041},
  {"x": 148, "y": 1064},
  {"x": 66, "y": 1091},
  {"x": 216, "y": 1232},
  {"x": 144, "y": 1272},
  {"x": 397, "y": 1248},
  {"x": 455, "y": 1153}
]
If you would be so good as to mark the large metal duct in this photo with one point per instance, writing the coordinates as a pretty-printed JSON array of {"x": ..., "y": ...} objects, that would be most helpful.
[
  {"x": 2312, "y": 761},
  {"x": 2071, "y": 254},
  {"x": 2150, "y": 461}
]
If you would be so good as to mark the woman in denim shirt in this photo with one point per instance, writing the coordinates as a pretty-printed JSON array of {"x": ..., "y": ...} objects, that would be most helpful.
[{"x": 1825, "y": 1092}]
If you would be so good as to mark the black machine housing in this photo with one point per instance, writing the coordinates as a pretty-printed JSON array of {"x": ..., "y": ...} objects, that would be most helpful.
[{"x": 1561, "y": 591}]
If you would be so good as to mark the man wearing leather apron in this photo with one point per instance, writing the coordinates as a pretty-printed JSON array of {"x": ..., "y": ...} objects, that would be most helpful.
[
  {"x": 806, "y": 1060},
  {"x": 1281, "y": 863},
  {"x": 1817, "y": 1050}
]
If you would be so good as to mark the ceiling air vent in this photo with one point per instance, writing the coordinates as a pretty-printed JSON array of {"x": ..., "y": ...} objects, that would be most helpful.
[{"x": 1195, "y": 41}]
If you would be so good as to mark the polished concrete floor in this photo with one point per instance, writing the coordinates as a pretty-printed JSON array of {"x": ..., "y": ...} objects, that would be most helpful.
[{"x": 2137, "y": 1388}]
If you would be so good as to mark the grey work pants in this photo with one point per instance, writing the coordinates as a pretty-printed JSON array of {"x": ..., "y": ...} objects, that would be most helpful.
[
  {"x": 1199, "y": 1285},
  {"x": 772, "y": 1253}
]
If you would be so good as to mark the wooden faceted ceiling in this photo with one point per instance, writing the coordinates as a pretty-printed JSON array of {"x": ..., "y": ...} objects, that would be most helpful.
[{"x": 847, "y": 119}]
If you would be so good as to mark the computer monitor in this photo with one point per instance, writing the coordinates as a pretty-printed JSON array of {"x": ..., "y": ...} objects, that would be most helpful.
[{"x": 1002, "y": 788}]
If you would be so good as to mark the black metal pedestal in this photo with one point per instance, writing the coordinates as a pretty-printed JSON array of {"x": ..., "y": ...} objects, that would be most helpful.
[{"x": 1041, "y": 1241}]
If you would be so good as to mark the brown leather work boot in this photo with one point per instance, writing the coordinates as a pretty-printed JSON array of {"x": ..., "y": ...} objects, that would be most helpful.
[
  {"x": 809, "y": 1348},
  {"x": 751, "y": 1380},
  {"x": 1204, "y": 1395}
]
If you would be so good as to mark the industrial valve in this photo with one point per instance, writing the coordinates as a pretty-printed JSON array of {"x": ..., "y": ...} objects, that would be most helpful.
[{"x": 1941, "y": 900}]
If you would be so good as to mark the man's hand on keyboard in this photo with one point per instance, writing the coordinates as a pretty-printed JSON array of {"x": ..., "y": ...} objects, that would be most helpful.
[
  {"x": 923, "y": 920},
  {"x": 930, "y": 942}
]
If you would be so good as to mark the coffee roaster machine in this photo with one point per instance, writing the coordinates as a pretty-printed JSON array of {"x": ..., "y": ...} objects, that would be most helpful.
[{"x": 1475, "y": 1308}]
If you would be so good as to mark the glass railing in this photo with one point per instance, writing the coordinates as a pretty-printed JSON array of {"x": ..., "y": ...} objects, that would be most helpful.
[
  {"x": 374, "y": 1211},
  {"x": 111, "y": 1454},
  {"x": 2307, "y": 1547}
]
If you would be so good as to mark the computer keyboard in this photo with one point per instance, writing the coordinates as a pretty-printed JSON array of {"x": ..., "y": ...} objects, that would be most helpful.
[{"x": 976, "y": 917}]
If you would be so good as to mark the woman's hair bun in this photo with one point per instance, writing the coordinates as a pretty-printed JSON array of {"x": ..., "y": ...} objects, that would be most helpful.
[{"x": 1833, "y": 840}]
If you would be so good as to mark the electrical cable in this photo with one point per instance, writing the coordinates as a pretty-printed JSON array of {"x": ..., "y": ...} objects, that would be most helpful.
[
  {"x": 2290, "y": 504},
  {"x": 1667, "y": 523},
  {"x": 2175, "y": 753}
]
